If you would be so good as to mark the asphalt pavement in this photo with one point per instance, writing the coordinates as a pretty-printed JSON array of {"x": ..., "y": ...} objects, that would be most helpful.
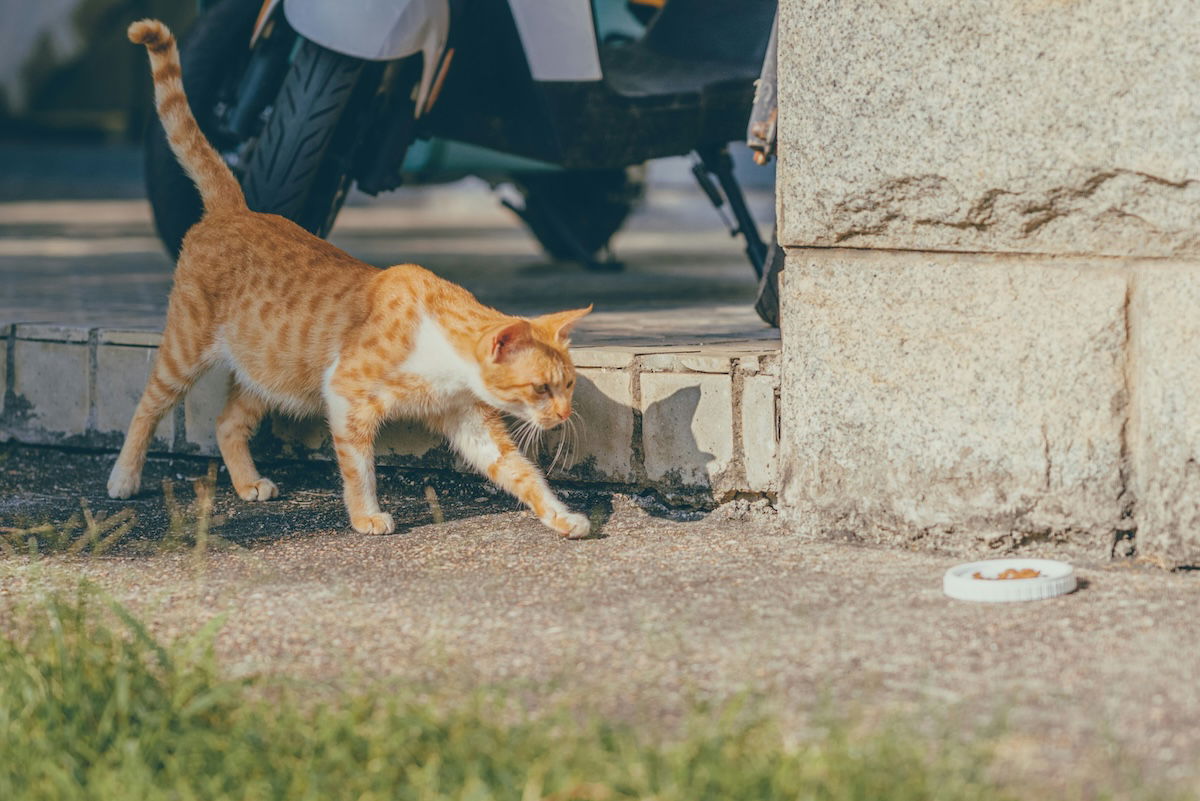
[{"x": 661, "y": 608}]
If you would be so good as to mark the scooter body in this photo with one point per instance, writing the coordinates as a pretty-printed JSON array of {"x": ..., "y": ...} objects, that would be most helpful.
[{"x": 549, "y": 95}]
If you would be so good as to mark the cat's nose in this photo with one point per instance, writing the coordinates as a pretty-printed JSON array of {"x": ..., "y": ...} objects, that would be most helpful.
[{"x": 564, "y": 413}]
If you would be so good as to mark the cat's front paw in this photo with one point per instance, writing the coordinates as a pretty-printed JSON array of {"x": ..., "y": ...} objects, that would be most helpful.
[
  {"x": 262, "y": 490},
  {"x": 379, "y": 523},
  {"x": 570, "y": 525},
  {"x": 122, "y": 483}
]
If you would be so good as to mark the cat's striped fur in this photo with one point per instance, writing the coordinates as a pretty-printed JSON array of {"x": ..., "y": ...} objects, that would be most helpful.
[{"x": 307, "y": 328}]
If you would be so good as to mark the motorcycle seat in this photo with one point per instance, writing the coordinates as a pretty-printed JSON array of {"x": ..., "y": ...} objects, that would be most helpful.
[{"x": 691, "y": 47}]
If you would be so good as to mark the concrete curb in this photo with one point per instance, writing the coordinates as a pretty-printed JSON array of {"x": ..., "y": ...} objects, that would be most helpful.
[{"x": 696, "y": 423}]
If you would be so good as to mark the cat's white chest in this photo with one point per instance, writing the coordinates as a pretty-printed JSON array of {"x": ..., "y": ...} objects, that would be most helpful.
[{"x": 434, "y": 360}]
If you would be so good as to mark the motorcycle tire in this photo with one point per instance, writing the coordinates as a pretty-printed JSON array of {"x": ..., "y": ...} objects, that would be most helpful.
[
  {"x": 300, "y": 167},
  {"x": 766, "y": 304},
  {"x": 591, "y": 204},
  {"x": 212, "y": 47}
]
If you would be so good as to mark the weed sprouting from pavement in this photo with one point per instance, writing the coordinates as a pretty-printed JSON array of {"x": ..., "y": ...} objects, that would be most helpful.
[
  {"x": 191, "y": 525},
  {"x": 435, "y": 506},
  {"x": 82, "y": 532}
]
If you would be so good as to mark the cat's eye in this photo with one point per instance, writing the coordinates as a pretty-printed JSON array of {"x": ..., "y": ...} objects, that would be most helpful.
[
  {"x": 542, "y": 389},
  {"x": 571, "y": 383}
]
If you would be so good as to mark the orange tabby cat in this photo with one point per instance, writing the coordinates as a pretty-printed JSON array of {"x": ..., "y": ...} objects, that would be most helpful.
[{"x": 306, "y": 328}]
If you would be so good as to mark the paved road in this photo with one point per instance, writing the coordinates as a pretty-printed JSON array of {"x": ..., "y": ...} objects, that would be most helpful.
[
  {"x": 77, "y": 246},
  {"x": 1095, "y": 687}
]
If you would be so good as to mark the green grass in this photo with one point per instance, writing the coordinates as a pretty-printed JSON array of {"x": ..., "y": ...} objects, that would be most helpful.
[{"x": 93, "y": 707}]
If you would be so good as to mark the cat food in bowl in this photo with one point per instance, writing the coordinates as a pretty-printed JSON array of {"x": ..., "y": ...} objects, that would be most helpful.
[
  {"x": 1011, "y": 573},
  {"x": 998, "y": 580}
]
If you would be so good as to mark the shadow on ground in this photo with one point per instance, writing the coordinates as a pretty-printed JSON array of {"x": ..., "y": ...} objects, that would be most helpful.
[{"x": 40, "y": 486}]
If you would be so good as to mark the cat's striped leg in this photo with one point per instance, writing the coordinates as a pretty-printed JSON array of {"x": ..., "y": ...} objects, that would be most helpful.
[
  {"x": 236, "y": 424},
  {"x": 179, "y": 362},
  {"x": 481, "y": 437},
  {"x": 353, "y": 427},
  {"x": 159, "y": 397}
]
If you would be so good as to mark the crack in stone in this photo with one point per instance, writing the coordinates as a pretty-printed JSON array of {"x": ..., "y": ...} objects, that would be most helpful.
[{"x": 932, "y": 201}]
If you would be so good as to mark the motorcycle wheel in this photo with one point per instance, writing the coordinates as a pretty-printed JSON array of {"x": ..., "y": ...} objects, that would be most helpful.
[
  {"x": 300, "y": 164},
  {"x": 300, "y": 167},
  {"x": 208, "y": 52},
  {"x": 590, "y": 204}
]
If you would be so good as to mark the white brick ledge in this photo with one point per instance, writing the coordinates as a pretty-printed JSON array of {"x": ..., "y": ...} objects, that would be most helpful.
[{"x": 698, "y": 421}]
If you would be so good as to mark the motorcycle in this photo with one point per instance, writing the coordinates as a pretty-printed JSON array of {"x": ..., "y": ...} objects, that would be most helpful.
[{"x": 563, "y": 99}]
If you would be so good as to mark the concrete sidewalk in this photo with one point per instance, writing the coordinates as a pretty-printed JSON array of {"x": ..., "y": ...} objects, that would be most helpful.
[
  {"x": 1096, "y": 689},
  {"x": 98, "y": 263}
]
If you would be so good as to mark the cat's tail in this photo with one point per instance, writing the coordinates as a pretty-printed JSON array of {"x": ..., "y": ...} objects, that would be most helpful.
[{"x": 218, "y": 188}]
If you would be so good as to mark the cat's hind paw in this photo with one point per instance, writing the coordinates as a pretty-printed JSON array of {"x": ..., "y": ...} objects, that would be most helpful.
[
  {"x": 123, "y": 483},
  {"x": 262, "y": 490},
  {"x": 379, "y": 523},
  {"x": 570, "y": 525}
]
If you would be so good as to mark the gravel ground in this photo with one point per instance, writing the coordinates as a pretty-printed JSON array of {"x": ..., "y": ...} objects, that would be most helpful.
[{"x": 659, "y": 609}]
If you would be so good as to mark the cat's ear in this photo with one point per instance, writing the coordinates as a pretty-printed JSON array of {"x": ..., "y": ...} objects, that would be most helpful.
[
  {"x": 508, "y": 340},
  {"x": 559, "y": 324}
]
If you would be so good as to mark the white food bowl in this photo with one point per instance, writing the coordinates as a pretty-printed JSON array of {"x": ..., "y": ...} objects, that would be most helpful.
[{"x": 1057, "y": 578}]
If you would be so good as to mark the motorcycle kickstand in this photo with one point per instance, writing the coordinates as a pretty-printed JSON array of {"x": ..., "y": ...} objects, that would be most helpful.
[{"x": 715, "y": 161}]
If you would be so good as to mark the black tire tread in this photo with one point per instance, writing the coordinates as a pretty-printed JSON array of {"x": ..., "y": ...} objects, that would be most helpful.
[{"x": 292, "y": 150}]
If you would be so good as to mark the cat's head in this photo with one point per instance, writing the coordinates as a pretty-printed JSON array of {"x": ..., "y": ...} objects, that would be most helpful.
[{"x": 526, "y": 366}]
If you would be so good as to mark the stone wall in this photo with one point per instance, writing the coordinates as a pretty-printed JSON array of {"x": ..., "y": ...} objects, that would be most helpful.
[{"x": 991, "y": 216}]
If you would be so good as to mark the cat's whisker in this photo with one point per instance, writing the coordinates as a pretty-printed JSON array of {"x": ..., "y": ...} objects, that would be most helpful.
[
  {"x": 563, "y": 435},
  {"x": 526, "y": 436},
  {"x": 537, "y": 433},
  {"x": 569, "y": 438},
  {"x": 535, "y": 438},
  {"x": 576, "y": 439},
  {"x": 520, "y": 436}
]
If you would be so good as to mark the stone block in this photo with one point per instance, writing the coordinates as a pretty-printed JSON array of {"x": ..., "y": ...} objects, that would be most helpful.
[
  {"x": 146, "y": 338},
  {"x": 1037, "y": 127},
  {"x": 687, "y": 429},
  {"x": 602, "y": 357},
  {"x": 1165, "y": 424},
  {"x": 601, "y": 445},
  {"x": 407, "y": 440},
  {"x": 201, "y": 407},
  {"x": 121, "y": 375},
  {"x": 51, "y": 388},
  {"x": 300, "y": 438},
  {"x": 53, "y": 332},
  {"x": 399, "y": 442},
  {"x": 946, "y": 397},
  {"x": 760, "y": 432},
  {"x": 695, "y": 361}
]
